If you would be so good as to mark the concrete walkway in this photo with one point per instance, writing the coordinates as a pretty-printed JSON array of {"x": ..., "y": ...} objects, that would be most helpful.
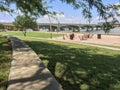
[{"x": 27, "y": 70}]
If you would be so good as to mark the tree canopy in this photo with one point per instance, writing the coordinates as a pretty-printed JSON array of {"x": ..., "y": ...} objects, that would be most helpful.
[
  {"x": 39, "y": 7},
  {"x": 1, "y": 26},
  {"x": 25, "y": 22},
  {"x": 34, "y": 7}
]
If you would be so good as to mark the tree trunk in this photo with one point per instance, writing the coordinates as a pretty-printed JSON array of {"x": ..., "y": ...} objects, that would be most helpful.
[{"x": 24, "y": 32}]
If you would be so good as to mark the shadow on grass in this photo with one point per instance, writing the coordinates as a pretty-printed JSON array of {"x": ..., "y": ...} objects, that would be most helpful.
[
  {"x": 78, "y": 67},
  {"x": 5, "y": 60}
]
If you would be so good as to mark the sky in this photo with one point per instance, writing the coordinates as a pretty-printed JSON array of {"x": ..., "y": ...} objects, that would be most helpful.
[{"x": 70, "y": 15}]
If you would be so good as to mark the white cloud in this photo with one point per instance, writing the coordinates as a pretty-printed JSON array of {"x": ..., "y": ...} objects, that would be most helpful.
[
  {"x": 56, "y": 16},
  {"x": 65, "y": 19},
  {"x": 14, "y": 12},
  {"x": 5, "y": 21},
  {"x": 17, "y": 11},
  {"x": 62, "y": 19},
  {"x": 60, "y": 15},
  {"x": 45, "y": 16},
  {"x": 5, "y": 13}
]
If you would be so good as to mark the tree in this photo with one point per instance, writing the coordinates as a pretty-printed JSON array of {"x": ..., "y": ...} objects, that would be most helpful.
[
  {"x": 24, "y": 22},
  {"x": 87, "y": 5},
  {"x": 107, "y": 26},
  {"x": 39, "y": 7},
  {"x": 1, "y": 26},
  {"x": 33, "y": 7},
  {"x": 110, "y": 17}
]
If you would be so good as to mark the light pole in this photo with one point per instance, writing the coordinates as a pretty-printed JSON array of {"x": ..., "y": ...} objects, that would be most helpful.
[
  {"x": 58, "y": 23},
  {"x": 59, "y": 13},
  {"x": 56, "y": 18},
  {"x": 50, "y": 26}
]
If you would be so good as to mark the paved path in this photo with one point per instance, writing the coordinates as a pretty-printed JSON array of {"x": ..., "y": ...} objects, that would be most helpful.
[{"x": 27, "y": 70}]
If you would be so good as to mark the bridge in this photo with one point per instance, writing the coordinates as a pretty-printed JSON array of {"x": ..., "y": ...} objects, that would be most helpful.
[
  {"x": 61, "y": 26},
  {"x": 67, "y": 26}
]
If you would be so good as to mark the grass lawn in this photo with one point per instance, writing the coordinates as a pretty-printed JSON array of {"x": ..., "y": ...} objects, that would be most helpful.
[
  {"x": 105, "y": 45},
  {"x": 78, "y": 67},
  {"x": 5, "y": 60},
  {"x": 32, "y": 34}
]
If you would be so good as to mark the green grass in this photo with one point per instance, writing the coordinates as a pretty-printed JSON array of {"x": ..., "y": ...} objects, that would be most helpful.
[
  {"x": 104, "y": 45},
  {"x": 5, "y": 60},
  {"x": 108, "y": 46},
  {"x": 32, "y": 34},
  {"x": 78, "y": 67}
]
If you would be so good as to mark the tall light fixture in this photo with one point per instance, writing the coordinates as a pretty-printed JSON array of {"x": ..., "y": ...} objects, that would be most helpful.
[{"x": 49, "y": 17}]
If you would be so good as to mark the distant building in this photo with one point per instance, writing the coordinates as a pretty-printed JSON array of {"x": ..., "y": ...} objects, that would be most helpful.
[{"x": 8, "y": 26}]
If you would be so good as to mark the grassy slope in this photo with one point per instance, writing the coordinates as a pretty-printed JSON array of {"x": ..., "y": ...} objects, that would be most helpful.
[
  {"x": 5, "y": 60},
  {"x": 80, "y": 67},
  {"x": 32, "y": 34}
]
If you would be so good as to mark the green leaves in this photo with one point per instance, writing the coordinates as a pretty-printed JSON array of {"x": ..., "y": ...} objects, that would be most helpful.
[
  {"x": 100, "y": 7},
  {"x": 1, "y": 26},
  {"x": 110, "y": 15},
  {"x": 40, "y": 7},
  {"x": 107, "y": 26},
  {"x": 28, "y": 7},
  {"x": 26, "y": 22}
]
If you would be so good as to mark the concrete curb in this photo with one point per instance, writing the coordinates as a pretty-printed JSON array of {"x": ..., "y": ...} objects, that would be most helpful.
[{"x": 27, "y": 70}]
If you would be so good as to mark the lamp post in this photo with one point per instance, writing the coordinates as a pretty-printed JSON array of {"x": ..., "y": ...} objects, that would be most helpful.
[
  {"x": 58, "y": 28},
  {"x": 50, "y": 26},
  {"x": 58, "y": 24},
  {"x": 56, "y": 18}
]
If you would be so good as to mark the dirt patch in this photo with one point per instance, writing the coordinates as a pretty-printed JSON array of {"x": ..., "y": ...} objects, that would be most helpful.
[{"x": 113, "y": 40}]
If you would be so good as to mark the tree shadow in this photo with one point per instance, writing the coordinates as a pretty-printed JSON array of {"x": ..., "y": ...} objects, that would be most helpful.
[
  {"x": 5, "y": 60},
  {"x": 30, "y": 73},
  {"x": 40, "y": 80},
  {"x": 80, "y": 68}
]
